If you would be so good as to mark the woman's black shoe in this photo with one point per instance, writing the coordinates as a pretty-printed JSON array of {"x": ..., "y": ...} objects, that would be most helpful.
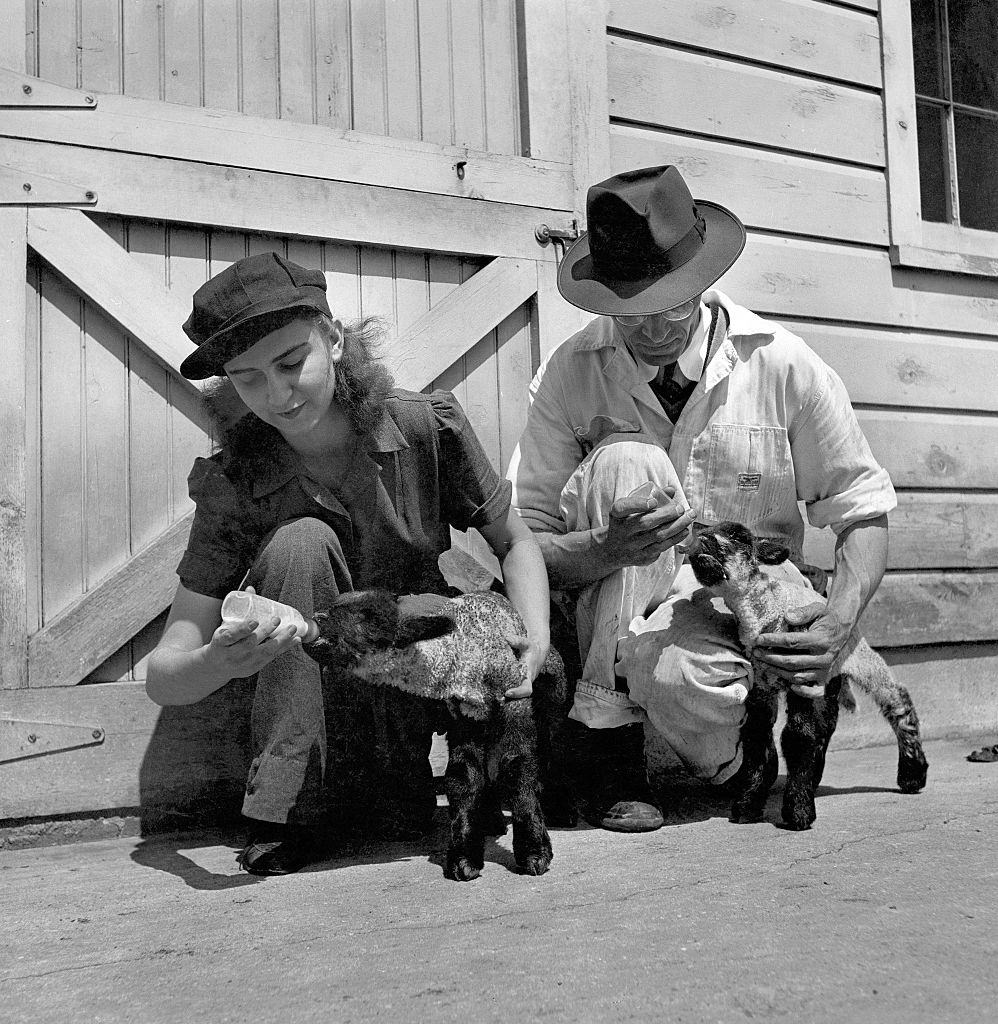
[{"x": 276, "y": 850}]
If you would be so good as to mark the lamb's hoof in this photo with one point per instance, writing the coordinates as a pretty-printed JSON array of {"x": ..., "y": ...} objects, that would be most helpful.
[
  {"x": 743, "y": 814},
  {"x": 799, "y": 812},
  {"x": 912, "y": 773},
  {"x": 460, "y": 869},
  {"x": 536, "y": 864},
  {"x": 796, "y": 821}
]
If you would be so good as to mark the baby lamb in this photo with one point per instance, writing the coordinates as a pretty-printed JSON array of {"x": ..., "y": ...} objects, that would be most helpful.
[
  {"x": 456, "y": 651},
  {"x": 726, "y": 560}
]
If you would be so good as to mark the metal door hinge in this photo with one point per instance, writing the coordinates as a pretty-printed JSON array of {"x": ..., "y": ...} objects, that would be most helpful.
[
  {"x": 25, "y": 188},
  {"x": 20, "y": 738},
  {"x": 20, "y": 90}
]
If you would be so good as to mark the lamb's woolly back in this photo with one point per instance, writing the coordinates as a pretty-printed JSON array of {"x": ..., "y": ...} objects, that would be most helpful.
[{"x": 473, "y": 664}]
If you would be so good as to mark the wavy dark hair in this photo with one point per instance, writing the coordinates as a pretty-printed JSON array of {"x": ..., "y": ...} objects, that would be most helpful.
[{"x": 363, "y": 385}]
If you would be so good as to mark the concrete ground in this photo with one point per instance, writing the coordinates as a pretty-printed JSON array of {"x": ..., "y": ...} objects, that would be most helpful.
[{"x": 884, "y": 911}]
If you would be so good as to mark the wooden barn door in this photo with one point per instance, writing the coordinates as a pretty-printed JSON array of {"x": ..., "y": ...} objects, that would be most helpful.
[{"x": 421, "y": 153}]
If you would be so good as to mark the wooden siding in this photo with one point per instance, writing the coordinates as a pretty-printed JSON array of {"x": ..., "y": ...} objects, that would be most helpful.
[
  {"x": 444, "y": 71},
  {"x": 774, "y": 108}
]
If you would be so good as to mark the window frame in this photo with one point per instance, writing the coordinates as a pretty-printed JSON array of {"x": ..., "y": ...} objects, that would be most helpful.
[{"x": 915, "y": 242}]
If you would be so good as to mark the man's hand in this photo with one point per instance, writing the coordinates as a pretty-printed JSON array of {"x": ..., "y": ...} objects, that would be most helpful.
[
  {"x": 531, "y": 657},
  {"x": 804, "y": 658},
  {"x": 646, "y": 523},
  {"x": 239, "y": 649}
]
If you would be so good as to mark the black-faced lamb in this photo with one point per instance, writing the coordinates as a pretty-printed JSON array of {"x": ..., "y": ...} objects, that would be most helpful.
[
  {"x": 726, "y": 560},
  {"x": 456, "y": 651}
]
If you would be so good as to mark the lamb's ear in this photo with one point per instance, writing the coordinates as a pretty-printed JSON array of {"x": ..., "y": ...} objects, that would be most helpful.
[
  {"x": 423, "y": 617},
  {"x": 771, "y": 552}
]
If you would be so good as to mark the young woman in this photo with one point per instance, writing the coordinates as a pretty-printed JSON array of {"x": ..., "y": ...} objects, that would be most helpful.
[{"x": 326, "y": 480}]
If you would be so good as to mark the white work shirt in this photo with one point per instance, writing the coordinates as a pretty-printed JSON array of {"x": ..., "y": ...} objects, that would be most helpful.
[{"x": 768, "y": 424}]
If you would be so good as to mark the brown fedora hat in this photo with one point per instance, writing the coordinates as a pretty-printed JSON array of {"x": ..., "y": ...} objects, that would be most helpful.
[{"x": 649, "y": 246}]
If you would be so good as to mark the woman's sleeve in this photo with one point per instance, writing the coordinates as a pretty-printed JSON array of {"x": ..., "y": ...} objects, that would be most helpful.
[
  {"x": 471, "y": 491},
  {"x": 222, "y": 543}
]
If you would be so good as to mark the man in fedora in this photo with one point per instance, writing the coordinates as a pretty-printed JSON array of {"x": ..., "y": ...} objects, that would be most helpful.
[{"x": 675, "y": 406}]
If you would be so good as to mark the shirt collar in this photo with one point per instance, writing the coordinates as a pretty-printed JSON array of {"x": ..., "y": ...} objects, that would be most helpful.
[{"x": 384, "y": 439}]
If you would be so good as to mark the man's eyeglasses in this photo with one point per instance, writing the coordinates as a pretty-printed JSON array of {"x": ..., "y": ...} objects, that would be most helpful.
[{"x": 674, "y": 314}]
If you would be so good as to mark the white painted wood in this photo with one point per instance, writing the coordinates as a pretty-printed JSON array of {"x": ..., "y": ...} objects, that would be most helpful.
[
  {"x": 187, "y": 191},
  {"x": 934, "y": 450},
  {"x": 126, "y": 125},
  {"x": 556, "y": 319},
  {"x": 590, "y": 96},
  {"x": 773, "y": 191},
  {"x": 942, "y": 530},
  {"x": 796, "y": 35},
  {"x": 932, "y": 607},
  {"x": 14, "y": 560},
  {"x": 746, "y": 103},
  {"x": 104, "y": 272},
  {"x": 799, "y": 278},
  {"x": 109, "y": 615},
  {"x": 544, "y": 80},
  {"x": 900, "y": 129},
  {"x": 466, "y": 315},
  {"x": 903, "y": 368}
]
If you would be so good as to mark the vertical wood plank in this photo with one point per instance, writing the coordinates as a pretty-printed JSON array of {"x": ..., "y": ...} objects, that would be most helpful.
[
  {"x": 22, "y": 20},
  {"x": 188, "y": 269},
  {"x": 58, "y": 53},
  {"x": 367, "y": 48},
  {"x": 333, "y": 96},
  {"x": 514, "y": 365},
  {"x": 296, "y": 68},
  {"x": 221, "y": 74},
  {"x": 258, "y": 35},
  {"x": 105, "y": 498},
  {"x": 556, "y": 320},
  {"x": 481, "y": 390},
  {"x": 341, "y": 265},
  {"x": 141, "y": 41},
  {"x": 468, "y": 68},
  {"x": 502, "y": 77},
  {"x": 544, "y": 79},
  {"x": 377, "y": 285},
  {"x": 182, "y": 50},
  {"x": 412, "y": 292},
  {"x": 435, "y": 67},
  {"x": 32, "y": 446},
  {"x": 903, "y": 186},
  {"x": 589, "y": 112},
  {"x": 445, "y": 275},
  {"x": 13, "y": 428},
  {"x": 63, "y": 525},
  {"x": 100, "y": 45},
  {"x": 402, "y": 55}
]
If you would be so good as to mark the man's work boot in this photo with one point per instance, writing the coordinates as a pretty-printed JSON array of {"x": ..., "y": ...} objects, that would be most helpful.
[{"x": 613, "y": 761}]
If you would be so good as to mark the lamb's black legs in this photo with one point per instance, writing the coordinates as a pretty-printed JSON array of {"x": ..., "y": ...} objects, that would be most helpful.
[
  {"x": 531, "y": 842},
  {"x": 759, "y": 765},
  {"x": 810, "y": 724},
  {"x": 465, "y": 785}
]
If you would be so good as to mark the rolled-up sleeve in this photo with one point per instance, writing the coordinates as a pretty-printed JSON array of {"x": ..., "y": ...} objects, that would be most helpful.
[
  {"x": 546, "y": 456},
  {"x": 222, "y": 542},
  {"x": 837, "y": 476},
  {"x": 472, "y": 492}
]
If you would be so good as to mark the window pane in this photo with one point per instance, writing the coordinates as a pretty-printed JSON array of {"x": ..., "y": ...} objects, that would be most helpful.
[
  {"x": 973, "y": 28},
  {"x": 932, "y": 161},
  {"x": 926, "y": 49},
  {"x": 977, "y": 171}
]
